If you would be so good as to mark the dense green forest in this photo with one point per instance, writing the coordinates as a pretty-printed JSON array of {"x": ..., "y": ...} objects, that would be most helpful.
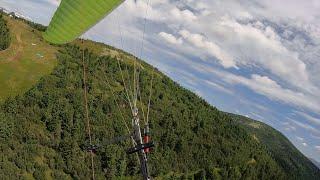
[
  {"x": 42, "y": 132},
  {"x": 4, "y": 34}
]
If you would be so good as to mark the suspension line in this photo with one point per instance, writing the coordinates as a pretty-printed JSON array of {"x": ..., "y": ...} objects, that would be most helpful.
[
  {"x": 87, "y": 111},
  {"x": 150, "y": 95}
]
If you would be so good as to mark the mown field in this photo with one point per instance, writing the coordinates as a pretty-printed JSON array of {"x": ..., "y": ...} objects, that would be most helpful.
[
  {"x": 26, "y": 60},
  {"x": 29, "y": 58}
]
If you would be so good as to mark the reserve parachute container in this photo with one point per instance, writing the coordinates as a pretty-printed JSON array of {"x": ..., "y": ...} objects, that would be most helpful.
[{"x": 74, "y": 17}]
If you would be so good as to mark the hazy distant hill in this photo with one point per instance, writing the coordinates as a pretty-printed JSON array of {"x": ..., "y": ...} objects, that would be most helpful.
[
  {"x": 282, "y": 150},
  {"x": 315, "y": 162}
]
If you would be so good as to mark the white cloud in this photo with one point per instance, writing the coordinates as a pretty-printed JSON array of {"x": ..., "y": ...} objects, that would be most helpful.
[
  {"x": 315, "y": 136},
  {"x": 317, "y": 148},
  {"x": 255, "y": 115},
  {"x": 213, "y": 49},
  {"x": 218, "y": 87},
  {"x": 54, "y": 2},
  {"x": 305, "y": 126},
  {"x": 261, "y": 46},
  {"x": 294, "y": 9},
  {"x": 265, "y": 86},
  {"x": 159, "y": 11},
  {"x": 305, "y": 144},
  {"x": 170, "y": 38},
  {"x": 309, "y": 118},
  {"x": 182, "y": 15},
  {"x": 288, "y": 126},
  {"x": 142, "y": 9},
  {"x": 300, "y": 138}
]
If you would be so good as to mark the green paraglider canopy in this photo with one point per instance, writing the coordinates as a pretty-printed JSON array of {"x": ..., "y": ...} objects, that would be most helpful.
[{"x": 75, "y": 17}]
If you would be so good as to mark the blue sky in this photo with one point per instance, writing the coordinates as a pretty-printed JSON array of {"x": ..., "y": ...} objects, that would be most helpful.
[{"x": 258, "y": 58}]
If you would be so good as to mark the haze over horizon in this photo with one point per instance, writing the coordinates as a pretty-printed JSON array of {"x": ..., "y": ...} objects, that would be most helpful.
[{"x": 249, "y": 57}]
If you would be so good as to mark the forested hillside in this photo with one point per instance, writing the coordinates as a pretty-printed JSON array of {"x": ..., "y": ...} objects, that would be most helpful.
[
  {"x": 4, "y": 34},
  {"x": 43, "y": 132},
  {"x": 285, "y": 154}
]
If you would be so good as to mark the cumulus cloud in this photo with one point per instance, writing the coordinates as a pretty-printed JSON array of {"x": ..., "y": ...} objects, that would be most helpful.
[
  {"x": 159, "y": 11},
  {"x": 200, "y": 44},
  {"x": 170, "y": 38},
  {"x": 142, "y": 9},
  {"x": 300, "y": 138},
  {"x": 237, "y": 39},
  {"x": 289, "y": 127},
  {"x": 305, "y": 126},
  {"x": 182, "y": 15},
  {"x": 211, "y": 48},
  {"x": 218, "y": 87},
  {"x": 317, "y": 148},
  {"x": 259, "y": 45},
  {"x": 309, "y": 118},
  {"x": 294, "y": 9},
  {"x": 265, "y": 86}
]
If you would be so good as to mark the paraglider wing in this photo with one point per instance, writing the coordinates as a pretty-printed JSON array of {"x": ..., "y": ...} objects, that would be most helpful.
[{"x": 75, "y": 17}]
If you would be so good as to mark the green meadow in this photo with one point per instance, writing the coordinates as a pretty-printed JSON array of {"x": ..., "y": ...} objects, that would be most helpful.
[{"x": 26, "y": 60}]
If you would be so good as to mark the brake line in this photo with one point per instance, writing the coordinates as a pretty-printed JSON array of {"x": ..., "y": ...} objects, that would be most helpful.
[
  {"x": 128, "y": 92},
  {"x": 150, "y": 95},
  {"x": 87, "y": 111},
  {"x": 119, "y": 109}
]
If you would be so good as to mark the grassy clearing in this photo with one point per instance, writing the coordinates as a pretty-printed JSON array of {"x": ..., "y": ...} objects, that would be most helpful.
[
  {"x": 26, "y": 60},
  {"x": 29, "y": 58}
]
